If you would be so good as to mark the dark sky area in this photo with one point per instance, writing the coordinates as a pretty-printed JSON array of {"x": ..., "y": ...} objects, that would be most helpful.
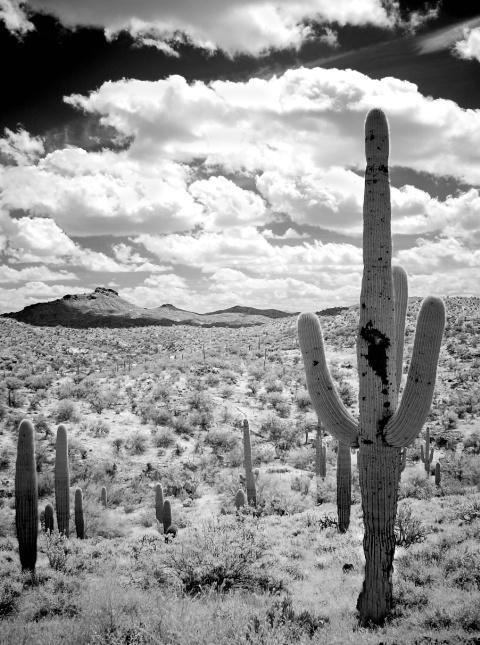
[{"x": 52, "y": 62}]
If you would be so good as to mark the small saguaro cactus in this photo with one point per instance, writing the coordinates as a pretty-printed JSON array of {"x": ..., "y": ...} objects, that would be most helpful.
[
  {"x": 26, "y": 497},
  {"x": 438, "y": 474},
  {"x": 167, "y": 515},
  {"x": 79, "y": 519},
  {"x": 48, "y": 518},
  {"x": 385, "y": 426},
  {"x": 159, "y": 503},
  {"x": 403, "y": 462},
  {"x": 104, "y": 496},
  {"x": 249, "y": 476},
  {"x": 62, "y": 481},
  {"x": 427, "y": 454},
  {"x": 239, "y": 499},
  {"x": 344, "y": 486}
]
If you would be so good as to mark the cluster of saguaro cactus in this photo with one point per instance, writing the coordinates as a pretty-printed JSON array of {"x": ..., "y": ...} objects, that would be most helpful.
[
  {"x": 249, "y": 476},
  {"x": 62, "y": 481},
  {"x": 427, "y": 454},
  {"x": 344, "y": 486},
  {"x": 26, "y": 497},
  {"x": 384, "y": 426}
]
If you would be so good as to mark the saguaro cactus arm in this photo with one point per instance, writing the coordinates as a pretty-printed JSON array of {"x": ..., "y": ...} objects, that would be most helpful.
[
  {"x": 405, "y": 425},
  {"x": 325, "y": 398}
]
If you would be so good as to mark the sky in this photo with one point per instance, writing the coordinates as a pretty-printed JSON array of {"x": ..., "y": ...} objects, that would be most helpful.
[{"x": 209, "y": 154}]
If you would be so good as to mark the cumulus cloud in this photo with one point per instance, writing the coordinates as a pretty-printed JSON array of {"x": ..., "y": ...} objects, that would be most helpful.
[
  {"x": 14, "y": 17},
  {"x": 20, "y": 147},
  {"x": 33, "y": 274},
  {"x": 250, "y": 26},
  {"x": 33, "y": 292},
  {"x": 469, "y": 46},
  {"x": 443, "y": 252}
]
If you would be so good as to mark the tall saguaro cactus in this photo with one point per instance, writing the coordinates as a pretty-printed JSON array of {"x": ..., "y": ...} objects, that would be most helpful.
[
  {"x": 26, "y": 497},
  {"x": 79, "y": 519},
  {"x": 62, "y": 481},
  {"x": 384, "y": 426},
  {"x": 249, "y": 476}
]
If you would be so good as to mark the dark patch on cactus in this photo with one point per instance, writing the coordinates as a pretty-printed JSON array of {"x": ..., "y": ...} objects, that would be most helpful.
[{"x": 377, "y": 350}]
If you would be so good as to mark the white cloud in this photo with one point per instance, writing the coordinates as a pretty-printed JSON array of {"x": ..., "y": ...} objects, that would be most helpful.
[
  {"x": 290, "y": 234},
  {"x": 161, "y": 289},
  {"x": 33, "y": 274},
  {"x": 442, "y": 253},
  {"x": 469, "y": 46},
  {"x": 33, "y": 292},
  {"x": 250, "y": 26},
  {"x": 226, "y": 204},
  {"x": 14, "y": 16},
  {"x": 20, "y": 147}
]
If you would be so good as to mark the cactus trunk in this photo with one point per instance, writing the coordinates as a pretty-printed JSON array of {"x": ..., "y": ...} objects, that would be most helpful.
[
  {"x": 249, "y": 476},
  {"x": 48, "y": 518},
  {"x": 159, "y": 503},
  {"x": 344, "y": 486},
  {"x": 79, "y": 520},
  {"x": 62, "y": 481},
  {"x": 167, "y": 515},
  {"x": 26, "y": 497}
]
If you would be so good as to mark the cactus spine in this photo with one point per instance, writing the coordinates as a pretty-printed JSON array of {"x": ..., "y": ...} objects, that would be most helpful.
[
  {"x": 344, "y": 486},
  {"x": 384, "y": 426},
  {"x": 104, "y": 496},
  {"x": 48, "y": 518},
  {"x": 167, "y": 515},
  {"x": 62, "y": 481},
  {"x": 159, "y": 503},
  {"x": 249, "y": 476},
  {"x": 26, "y": 497},
  {"x": 427, "y": 454},
  {"x": 79, "y": 520},
  {"x": 438, "y": 474}
]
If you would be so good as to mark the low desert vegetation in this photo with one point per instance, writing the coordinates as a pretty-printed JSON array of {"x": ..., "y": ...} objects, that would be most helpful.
[{"x": 165, "y": 406}]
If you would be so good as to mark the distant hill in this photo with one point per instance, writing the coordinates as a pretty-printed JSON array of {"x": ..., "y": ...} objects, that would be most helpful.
[
  {"x": 105, "y": 308},
  {"x": 251, "y": 311}
]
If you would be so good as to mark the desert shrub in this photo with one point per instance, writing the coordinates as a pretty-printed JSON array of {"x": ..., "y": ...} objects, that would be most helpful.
[
  {"x": 160, "y": 417},
  {"x": 212, "y": 379},
  {"x": 161, "y": 393},
  {"x": 66, "y": 410},
  {"x": 10, "y": 592},
  {"x": 449, "y": 420},
  {"x": 226, "y": 392},
  {"x": 164, "y": 438},
  {"x": 472, "y": 443},
  {"x": 183, "y": 425},
  {"x": 262, "y": 453},
  {"x": 408, "y": 529},
  {"x": 38, "y": 381},
  {"x": 66, "y": 390},
  {"x": 273, "y": 385},
  {"x": 301, "y": 484},
  {"x": 117, "y": 444},
  {"x": 222, "y": 554},
  {"x": 200, "y": 401},
  {"x": 303, "y": 401},
  {"x": 100, "y": 398},
  {"x": 416, "y": 484},
  {"x": 221, "y": 439},
  {"x": 463, "y": 468},
  {"x": 99, "y": 428},
  {"x": 347, "y": 393},
  {"x": 6, "y": 456},
  {"x": 201, "y": 418},
  {"x": 229, "y": 377},
  {"x": 252, "y": 387},
  {"x": 46, "y": 483},
  {"x": 137, "y": 443},
  {"x": 301, "y": 458},
  {"x": 283, "y": 435}
]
